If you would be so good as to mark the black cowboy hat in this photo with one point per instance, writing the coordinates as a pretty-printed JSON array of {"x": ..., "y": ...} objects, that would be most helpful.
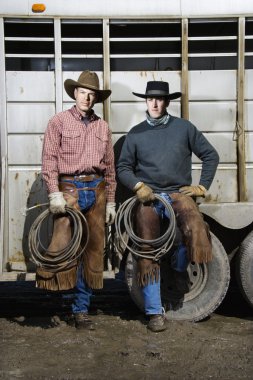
[
  {"x": 87, "y": 79},
  {"x": 158, "y": 89}
]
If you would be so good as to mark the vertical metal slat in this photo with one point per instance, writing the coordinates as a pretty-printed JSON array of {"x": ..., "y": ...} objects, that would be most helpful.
[
  {"x": 4, "y": 234},
  {"x": 242, "y": 193},
  {"x": 184, "y": 77},
  {"x": 58, "y": 65},
  {"x": 107, "y": 75}
]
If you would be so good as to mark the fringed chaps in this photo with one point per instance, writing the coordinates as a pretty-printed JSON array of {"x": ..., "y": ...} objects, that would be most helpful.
[
  {"x": 147, "y": 226},
  {"x": 93, "y": 259},
  {"x": 195, "y": 231},
  {"x": 93, "y": 262}
]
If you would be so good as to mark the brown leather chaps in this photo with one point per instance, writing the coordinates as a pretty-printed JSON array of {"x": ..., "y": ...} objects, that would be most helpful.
[
  {"x": 92, "y": 258},
  {"x": 195, "y": 234}
]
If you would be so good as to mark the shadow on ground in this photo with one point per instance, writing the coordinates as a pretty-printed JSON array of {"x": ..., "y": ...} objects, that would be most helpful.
[{"x": 23, "y": 301}]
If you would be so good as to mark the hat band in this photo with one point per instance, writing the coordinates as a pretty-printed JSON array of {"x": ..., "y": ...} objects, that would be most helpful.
[{"x": 156, "y": 92}]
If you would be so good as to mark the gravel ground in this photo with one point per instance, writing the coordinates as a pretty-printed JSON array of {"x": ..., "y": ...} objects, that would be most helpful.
[{"x": 36, "y": 342}]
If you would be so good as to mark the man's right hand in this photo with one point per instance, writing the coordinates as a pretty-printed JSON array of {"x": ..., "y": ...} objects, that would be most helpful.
[
  {"x": 144, "y": 192},
  {"x": 57, "y": 203}
]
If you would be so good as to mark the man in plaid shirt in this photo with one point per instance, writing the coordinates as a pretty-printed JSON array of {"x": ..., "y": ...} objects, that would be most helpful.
[{"x": 78, "y": 168}]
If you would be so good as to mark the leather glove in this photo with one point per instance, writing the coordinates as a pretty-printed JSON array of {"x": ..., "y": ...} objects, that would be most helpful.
[
  {"x": 110, "y": 212},
  {"x": 144, "y": 192},
  {"x": 193, "y": 191},
  {"x": 57, "y": 203}
]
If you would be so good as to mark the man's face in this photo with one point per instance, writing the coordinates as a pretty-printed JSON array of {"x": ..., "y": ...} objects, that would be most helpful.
[
  {"x": 157, "y": 106},
  {"x": 85, "y": 99}
]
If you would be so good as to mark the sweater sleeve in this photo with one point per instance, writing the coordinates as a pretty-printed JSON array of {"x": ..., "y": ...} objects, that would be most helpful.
[
  {"x": 206, "y": 153},
  {"x": 126, "y": 163}
]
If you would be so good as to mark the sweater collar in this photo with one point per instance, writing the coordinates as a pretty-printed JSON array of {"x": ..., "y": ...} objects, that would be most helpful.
[{"x": 156, "y": 122}]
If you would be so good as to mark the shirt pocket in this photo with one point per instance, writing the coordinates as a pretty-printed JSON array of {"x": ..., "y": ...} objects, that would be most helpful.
[
  {"x": 101, "y": 142},
  {"x": 70, "y": 142}
]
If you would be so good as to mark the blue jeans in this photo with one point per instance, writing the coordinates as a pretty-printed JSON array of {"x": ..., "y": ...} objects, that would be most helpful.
[
  {"x": 152, "y": 298},
  {"x": 87, "y": 198},
  {"x": 83, "y": 292},
  {"x": 151, "y": 292},
  {"x": 179, "y": 259}
]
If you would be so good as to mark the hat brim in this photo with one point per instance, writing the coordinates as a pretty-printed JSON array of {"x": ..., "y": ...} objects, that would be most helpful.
[
  {"x": 70, "y": 86},
  {"x": 173, "y": 95}
]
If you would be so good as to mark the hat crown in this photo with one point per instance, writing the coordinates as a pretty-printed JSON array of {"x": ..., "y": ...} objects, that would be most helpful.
[
  {"x": 89, "y": 79},
  {"x": 157, "y": 87}
]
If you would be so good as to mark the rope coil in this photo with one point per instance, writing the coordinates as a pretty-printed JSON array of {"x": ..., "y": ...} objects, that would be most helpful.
[
  {"x": 160, "y": 245},
  {"x": 55, "y": 260}
]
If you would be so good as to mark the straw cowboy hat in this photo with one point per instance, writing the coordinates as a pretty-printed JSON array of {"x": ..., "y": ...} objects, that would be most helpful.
[
  {"x": 156, "y": 89},
  {"x": 87, "y": 79}
]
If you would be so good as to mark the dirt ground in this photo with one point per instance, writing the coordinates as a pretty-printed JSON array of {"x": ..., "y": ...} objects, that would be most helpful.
[{"x": 36, "y": 342}]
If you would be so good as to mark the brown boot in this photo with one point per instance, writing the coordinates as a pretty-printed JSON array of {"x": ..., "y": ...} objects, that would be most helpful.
[
  {"x": 157, "y": 323},
  {"x": 82, "y": 321}
]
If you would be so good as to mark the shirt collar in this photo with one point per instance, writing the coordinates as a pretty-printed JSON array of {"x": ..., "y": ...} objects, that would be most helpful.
[{"x": 77, "y": 115}]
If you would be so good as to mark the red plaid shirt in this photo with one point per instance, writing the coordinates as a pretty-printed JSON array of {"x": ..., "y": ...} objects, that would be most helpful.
[{"x": 71, "y": 147}]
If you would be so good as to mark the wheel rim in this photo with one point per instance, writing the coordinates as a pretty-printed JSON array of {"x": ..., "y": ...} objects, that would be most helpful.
[
  {"x": 198, "y": 275},
  {"x": 187, "y": 285}
]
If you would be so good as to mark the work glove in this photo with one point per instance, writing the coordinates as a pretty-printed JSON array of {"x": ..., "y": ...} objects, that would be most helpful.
[
  {"x": 193, "y": 191},
  {"x": 57, "y": 203},
  {"x": 144, "y": 192},
  {"x": 110, "y": 212}
]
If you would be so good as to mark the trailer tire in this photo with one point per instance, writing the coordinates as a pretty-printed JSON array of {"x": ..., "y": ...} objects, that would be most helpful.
[
  {"x": 188, "y": 296},
  {"x": 244, "y": 268}
]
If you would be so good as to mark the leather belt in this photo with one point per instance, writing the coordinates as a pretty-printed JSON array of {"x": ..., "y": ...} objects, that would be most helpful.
[{"x": 80, "y": 177}]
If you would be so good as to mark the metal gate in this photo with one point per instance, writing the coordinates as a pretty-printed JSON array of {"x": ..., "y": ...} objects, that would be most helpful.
[{"x": 209, "y": 59}]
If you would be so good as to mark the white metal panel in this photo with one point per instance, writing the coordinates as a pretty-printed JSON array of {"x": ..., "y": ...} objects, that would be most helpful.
[
  {"x": 67, "y": 105},
  {"x": 249, "y": 115},
  {"x": 30, "y": 86},
  {"x": 224, "y": 186},
  {"x": 25, "y": 149},
  {"x": 231, "y": 215},
  {"x": 126, "y": 115},
  {"x": 225, "y": 146},
  {"x": 248, "y": 84},
  {"x": 123, "y": 83},
  {"x": 74, "y": 75},
  {"x": 14, "y": 7},
  {"x": 110, "y": 8},
  {"x": 20, "y": 184},
  {"x": 249, "y": 178},
  {"x": 249, "y": 148},
  {"x": 29, "y": 118},
  {"x": 123, "y": 8},
  {"x": 212, "y": 85},
  {"x": 216, "y": 7},
  {"x": 213, "y": 116}
]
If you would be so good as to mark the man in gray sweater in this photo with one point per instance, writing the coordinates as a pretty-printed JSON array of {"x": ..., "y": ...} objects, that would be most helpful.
[{"x": 156, "y": 157}]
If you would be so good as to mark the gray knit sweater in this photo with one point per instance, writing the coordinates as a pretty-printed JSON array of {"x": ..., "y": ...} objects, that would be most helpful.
[{"x": 161, "y": 156}]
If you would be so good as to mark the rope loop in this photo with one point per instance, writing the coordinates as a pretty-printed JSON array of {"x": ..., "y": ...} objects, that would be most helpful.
[
  {"x": 123, "y": 224},
  {"x": 56, "y": 260}
]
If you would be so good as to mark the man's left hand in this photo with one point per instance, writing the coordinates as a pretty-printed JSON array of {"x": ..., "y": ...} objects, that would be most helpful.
[
  {"x": 193, "y": 191},
  {"x": 110, "y": 212}
]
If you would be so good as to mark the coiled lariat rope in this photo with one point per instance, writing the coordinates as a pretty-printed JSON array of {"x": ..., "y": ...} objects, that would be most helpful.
[
  {"x": 55, "y": 260},
  {"x": 124, "y": 221}
]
